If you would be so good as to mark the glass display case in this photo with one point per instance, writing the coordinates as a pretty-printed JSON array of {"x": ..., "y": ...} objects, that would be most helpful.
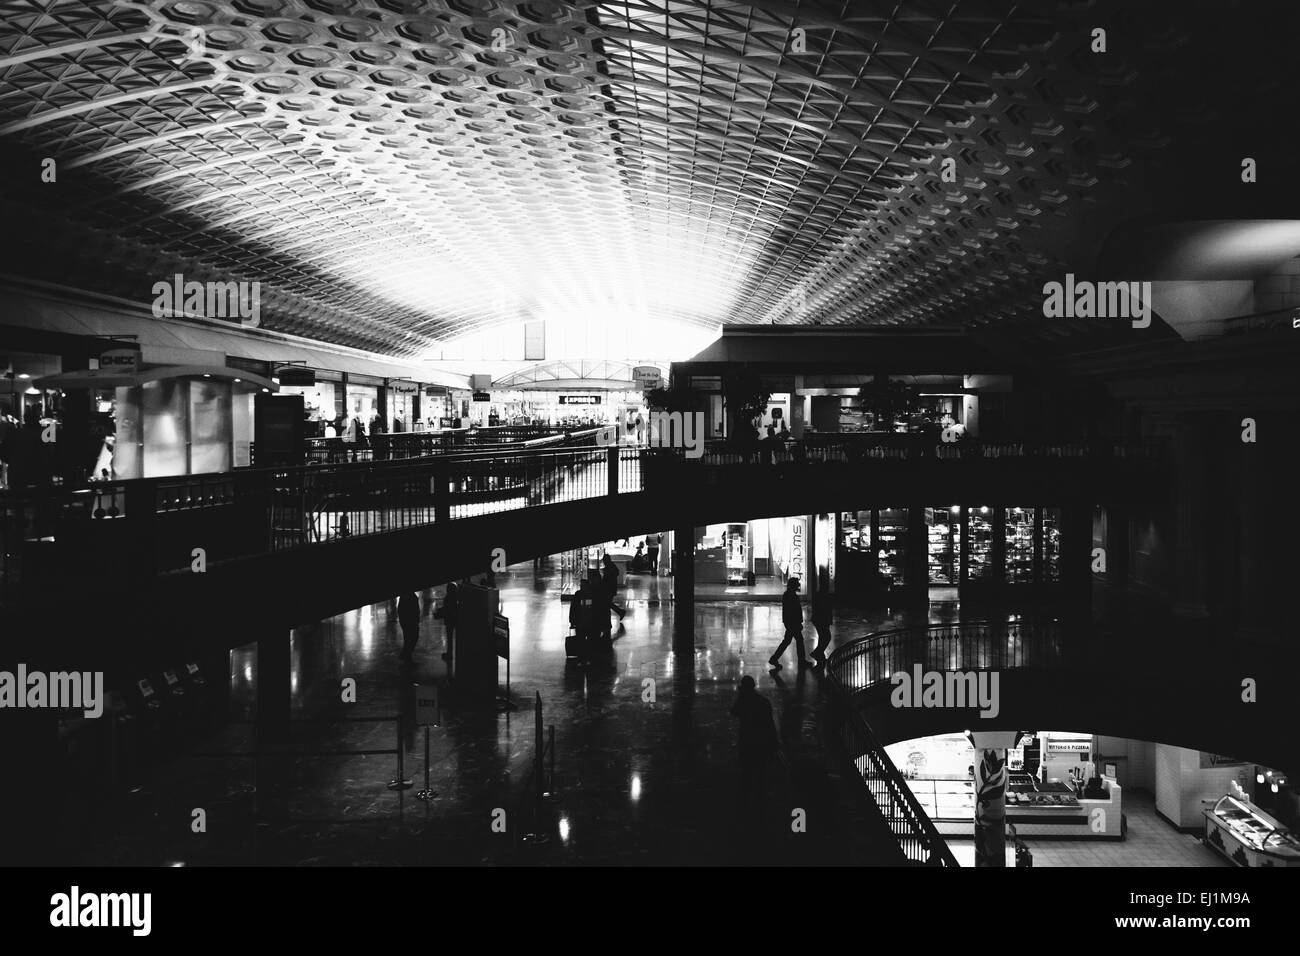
[
  {"x": 1248, "y": 836},
  {"x": 891, "y": 536},
  {"x": 1019, "y": 539},
  {"x": 944, "y": 529},
  {"x": 855, "y": 530},
  {"x": 737, "y": 554},
  {"x": 979, "y": 544},
  {"x": 1051, "y": 545}
]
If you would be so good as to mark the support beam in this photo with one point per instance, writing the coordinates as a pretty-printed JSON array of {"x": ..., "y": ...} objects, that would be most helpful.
[{"x": 684, "y": 591}]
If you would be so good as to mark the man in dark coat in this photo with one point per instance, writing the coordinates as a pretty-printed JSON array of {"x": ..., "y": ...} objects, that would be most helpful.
[{"x": 408, "y": 616}]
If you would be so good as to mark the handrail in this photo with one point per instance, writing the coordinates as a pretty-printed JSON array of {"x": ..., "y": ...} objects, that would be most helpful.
[
  {"x": 871, "y": 658},
  {"x": 918, "y": 838}
]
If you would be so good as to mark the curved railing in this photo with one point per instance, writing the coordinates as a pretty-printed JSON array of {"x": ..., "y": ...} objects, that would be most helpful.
[
  {"x": 968, "y": 645},
  {"x": 864, "y": 661}
]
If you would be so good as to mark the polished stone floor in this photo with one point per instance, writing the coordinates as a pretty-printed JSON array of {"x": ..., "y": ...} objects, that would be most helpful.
[{"x": 634, "y": 781}]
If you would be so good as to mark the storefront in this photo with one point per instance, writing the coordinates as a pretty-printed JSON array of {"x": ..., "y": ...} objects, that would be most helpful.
[
  {"x": 948, "y": 551},
  {"x": 361, "y": 401},
  {"x": 755, "y": 557},
  {"x": 319, "y": 404},
  {"x": 1056, "y": 787},
  {"x": 171, "y": 420}
]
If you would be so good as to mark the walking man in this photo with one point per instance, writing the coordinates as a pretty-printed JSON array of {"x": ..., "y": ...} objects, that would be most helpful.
[
  {"x": 652, "y": 551},
  {"x": 792, "y": 618}
]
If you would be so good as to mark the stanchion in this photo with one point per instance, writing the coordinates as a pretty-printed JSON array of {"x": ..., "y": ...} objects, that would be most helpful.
[
  {"x": 401, "y": 783},
  {"x": 536, "y": 837},
  {"x": 426, "y": 794}
]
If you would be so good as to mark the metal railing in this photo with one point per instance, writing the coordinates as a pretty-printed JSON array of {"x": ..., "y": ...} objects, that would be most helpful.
[
  {"x": 856, "y": 666},
  {"x": 258, "y": 510}
]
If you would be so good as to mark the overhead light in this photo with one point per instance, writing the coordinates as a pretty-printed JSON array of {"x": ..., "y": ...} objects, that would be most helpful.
[
  {"x": 238, "y": 380},
  {"x": 266, "y": 389},
  {"x": 1259, "y": 778},
  {"x": 206, "y": 375},
  {"x": 23, "y": 375}
]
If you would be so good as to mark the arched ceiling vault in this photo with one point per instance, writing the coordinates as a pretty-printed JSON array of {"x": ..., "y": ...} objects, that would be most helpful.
[{"x": 396, "y": 173}]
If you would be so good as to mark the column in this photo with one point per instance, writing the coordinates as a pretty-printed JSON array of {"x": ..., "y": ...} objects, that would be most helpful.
[
  {"x": 684, "y": 591},
  {"x": 1190, "y": 509},
  {"x": 1262, "y": 545},
  {"x": 273, "y": 707}
]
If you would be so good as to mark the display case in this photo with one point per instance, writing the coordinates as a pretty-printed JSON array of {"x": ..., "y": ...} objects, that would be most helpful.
[
  {"x": 1248, "y": 836},
  {"x": 979, "y": 545},
  {"x": 855, "y": 530},
  {"x": 737, "y": 555},
  {"x": 891, "y": 537},
  {"x": 944, "y": 529},
  {"x": 1051, "y": 545},
  {"x": 1019, "y": 539}
]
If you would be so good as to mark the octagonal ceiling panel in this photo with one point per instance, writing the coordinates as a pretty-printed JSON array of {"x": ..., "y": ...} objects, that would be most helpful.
[{"x": 396, "y": 173}]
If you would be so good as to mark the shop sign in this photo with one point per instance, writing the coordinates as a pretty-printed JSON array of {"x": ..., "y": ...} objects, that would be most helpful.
[
  {"x": 647, "y": 377},
  {"x": 296, "y": 375},
  {"x": 403, "y": 388},
  {"x": 579, "y": 399},
  {"x": 797, "y": 567},
  {"x": 1069, "y": 746},
  {"x": 122, "y": 361},
  {"x": 482, "y": 397}
]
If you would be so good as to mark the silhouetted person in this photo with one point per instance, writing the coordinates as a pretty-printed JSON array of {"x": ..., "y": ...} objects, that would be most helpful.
[
  {"x": 821, "y": 618},
  {"x": 450, "y": 613},
  {"x": 792, "y": 618},
  {"x": 756, "y": 737},
  {"x": 609, "y": 576},
  {"x": 638, "y": 563},
  {"x": 582, "y": 616},
  {"x": 408, "y": 616},
  {"x": 652, "y": 551}
]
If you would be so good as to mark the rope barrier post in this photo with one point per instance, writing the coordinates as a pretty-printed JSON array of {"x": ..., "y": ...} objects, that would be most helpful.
[
  {"x": 401, "y": 783},
  {"x": 426, "y": 794},
  {"x": 536, "y": 836}
]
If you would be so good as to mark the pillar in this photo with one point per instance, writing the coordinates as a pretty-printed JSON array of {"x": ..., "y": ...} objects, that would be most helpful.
[
  {"x": 273, "y": 706},
  {"x": 1190, "y": 510},
  {"x": 1262, "y": 547},
  {"x": 684, "y": 591}
]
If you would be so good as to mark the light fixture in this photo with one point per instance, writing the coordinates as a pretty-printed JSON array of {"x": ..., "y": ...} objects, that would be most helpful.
[
  {"x": 265, "y": 389},
  {"x": 1274, "y": 787},
  {"x": 206, "y": 375},
  {"x": 956, "y": 509},
  {"x": 1259, "y": 778},
  {"x": 23, "y": 375},
  {"x": 238, "y": 380}
]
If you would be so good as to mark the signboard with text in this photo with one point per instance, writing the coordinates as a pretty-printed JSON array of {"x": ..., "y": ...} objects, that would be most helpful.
[{"x": 579, "y": 399}]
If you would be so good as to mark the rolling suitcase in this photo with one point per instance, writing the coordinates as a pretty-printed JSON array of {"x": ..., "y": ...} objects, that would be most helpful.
[{"x": 572, "y": 645}]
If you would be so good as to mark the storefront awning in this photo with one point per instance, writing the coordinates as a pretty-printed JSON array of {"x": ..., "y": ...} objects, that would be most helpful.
[{"x": 107, "y": 378}]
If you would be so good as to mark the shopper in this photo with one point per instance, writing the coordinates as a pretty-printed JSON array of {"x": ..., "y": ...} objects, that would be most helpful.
[
  {"x": 352, "y": 437},
  {"x": 652, "y": 551},
  {"x": 582, "y": 617},
  {"x": 638, "y": 564},
  {"x": 640, "y": 429},
  {"x": 609, "y": 576},
  {"x": 408, "y": 616},
  {"x": 756, "y": 737},
  {"x": 821, "y": 618},
  {"x": 450, "y": 613},
  {"x": 792, "y": 618}
]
